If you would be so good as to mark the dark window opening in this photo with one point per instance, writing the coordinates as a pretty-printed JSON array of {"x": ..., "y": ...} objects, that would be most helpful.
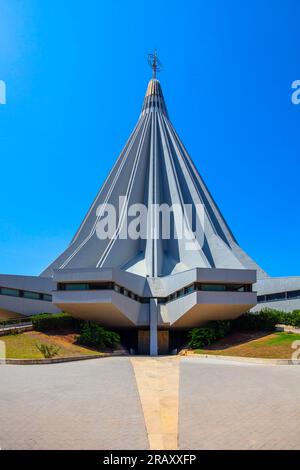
[
  {"x": 25, "y": 294},
  {"x": 277, "y": 296},
  {"x": 294, "y": 294},
  {"x": 209, "y": 287}
]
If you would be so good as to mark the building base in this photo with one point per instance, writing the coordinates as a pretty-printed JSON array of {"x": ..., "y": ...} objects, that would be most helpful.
[{"x": 163, "y": 343}]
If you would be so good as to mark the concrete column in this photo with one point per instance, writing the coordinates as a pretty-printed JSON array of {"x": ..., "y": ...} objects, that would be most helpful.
[{"x": 153, "y": 327}]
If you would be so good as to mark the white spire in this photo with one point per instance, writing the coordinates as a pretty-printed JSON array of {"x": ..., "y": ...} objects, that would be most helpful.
[{"x": 154, "y": 168}]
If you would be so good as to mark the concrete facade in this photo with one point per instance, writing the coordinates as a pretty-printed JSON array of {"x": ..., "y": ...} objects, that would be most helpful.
[
  {"x": 17, "y": 304},
  {"x": 153, "y": 281},
  {"x": 190, "y": 309},
  {"x": 281, "y": 293}
]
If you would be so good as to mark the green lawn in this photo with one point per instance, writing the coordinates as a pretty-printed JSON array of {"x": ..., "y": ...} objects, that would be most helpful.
[
  {"x": 23, "y": 346},
  {"x": 261, "y": 345},
  {"x": 282, "y": 339}
]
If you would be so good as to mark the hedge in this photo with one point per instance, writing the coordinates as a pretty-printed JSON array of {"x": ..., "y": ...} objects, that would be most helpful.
[
  {"x": 266, "y": 320},
  {"x": 200, "y": 337},
  {"x": 56, "y": 321},
  {"x": 15, "y": 322},
  {"x": 94, "y": 335},
  {"x": 290, "y": 318}
]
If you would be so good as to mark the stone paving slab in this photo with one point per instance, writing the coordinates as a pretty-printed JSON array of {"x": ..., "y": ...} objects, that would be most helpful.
[
  {"x": 238, "y": 406},
  {"x": 158, "y": 384},
  {"x": 96, "y": 405},
  {"x": 85, "y": 405}
]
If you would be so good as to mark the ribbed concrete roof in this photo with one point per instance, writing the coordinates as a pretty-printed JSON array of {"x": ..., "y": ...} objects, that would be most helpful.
[{"x": 154, "y": 168}]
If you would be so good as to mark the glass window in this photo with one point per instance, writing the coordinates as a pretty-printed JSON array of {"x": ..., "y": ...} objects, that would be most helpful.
[
  {"x": 213, "y": 287},
  {"x": 224, "y": 287},
  {"x": 189, "y": 289},
  {"x": 11, "y": 292},
  {"x": 235, "y": 287},
  {"x": 261, "y": 298},
  {"x": 295, "y": 294},
  {"x": 76, "y": 286},
  {"x": 277, "y": 296},
  {"x": 101, "y": 286},
  {"x": 31, "y": 295},
  {"x": 47, "y": 297}
]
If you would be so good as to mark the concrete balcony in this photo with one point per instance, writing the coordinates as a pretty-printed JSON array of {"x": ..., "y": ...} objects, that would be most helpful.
[
  {"x": 198, "y": 308},
  {"x": 108, "y": 307}
]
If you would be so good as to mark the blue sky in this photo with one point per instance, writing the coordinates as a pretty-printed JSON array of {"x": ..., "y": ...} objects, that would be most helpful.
[{"x": 76, "y": 73}]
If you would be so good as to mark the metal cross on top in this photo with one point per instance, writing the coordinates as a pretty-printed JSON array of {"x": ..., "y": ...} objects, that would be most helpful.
[{"x": 154, "y": 63}]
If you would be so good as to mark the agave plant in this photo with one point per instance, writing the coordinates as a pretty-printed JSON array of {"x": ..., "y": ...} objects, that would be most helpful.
[{"x": 48, "y": 350}]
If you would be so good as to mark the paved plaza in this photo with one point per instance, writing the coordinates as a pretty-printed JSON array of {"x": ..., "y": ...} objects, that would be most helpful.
[
  {"x": 238, "y": 406},
  {"x": 142, "y": 403},
  {"x": 76, "y": 405}
]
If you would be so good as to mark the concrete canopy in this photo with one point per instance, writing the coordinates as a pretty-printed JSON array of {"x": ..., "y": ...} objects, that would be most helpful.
[
  {"x": 153, "y": 281},
  {"x": 154, "y": 168}
]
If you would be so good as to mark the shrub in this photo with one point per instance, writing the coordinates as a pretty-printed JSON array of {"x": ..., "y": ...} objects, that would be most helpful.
[
  {"x": 285, "y": 318},
  {"x": 200, "y": 337},
  {"x": 14, "y": 332},
  {"x": 48, "y": 350},
  {"x": 269, "y": 319},
  {"x": 15, "y": 321},
  {"x": 295, "y": 319},
  {"x": 56, "y": 321},
  {"x": 265, "y": 320},
  {"x": 290, "y": 318},
  {"x": 95, "y": 335}
]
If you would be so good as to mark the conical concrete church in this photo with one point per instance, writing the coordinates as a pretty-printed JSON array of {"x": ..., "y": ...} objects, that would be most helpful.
[{"x": 153, "y": 254}]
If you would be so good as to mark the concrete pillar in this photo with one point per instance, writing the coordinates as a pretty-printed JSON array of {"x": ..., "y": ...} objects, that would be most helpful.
[{"x": 153, "y": 327}]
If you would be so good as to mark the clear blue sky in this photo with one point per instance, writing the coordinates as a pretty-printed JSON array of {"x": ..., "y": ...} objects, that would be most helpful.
[{"x": 76, "y": 73}]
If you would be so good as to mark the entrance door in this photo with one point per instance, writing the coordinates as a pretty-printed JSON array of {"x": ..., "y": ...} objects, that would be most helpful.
[
  {"x": 144, "y": 342},
  {"x": 163, "y": 341}
]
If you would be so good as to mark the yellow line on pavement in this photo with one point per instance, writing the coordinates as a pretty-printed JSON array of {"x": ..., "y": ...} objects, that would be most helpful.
[{"x": 158, "y": 385}]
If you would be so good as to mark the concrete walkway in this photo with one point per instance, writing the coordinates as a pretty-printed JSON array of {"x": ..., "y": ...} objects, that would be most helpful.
[
  {"x": 230, "y": 405},
  {"x": 86, "y": 405},
  {"x": 158, "y": 385},
  {"x": 159, "y": 403},
  {"x": 19, "y": 327}
]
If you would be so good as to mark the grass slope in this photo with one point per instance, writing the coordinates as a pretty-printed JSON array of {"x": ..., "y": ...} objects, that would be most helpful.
[
  {"x": 23, "y": 346},
  {"x": 262, "y": 345}
]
